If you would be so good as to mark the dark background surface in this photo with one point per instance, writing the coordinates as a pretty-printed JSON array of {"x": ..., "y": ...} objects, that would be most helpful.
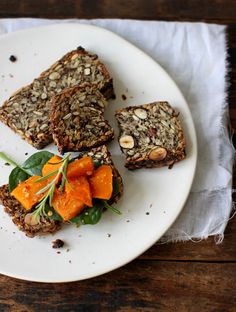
[{"x": 173, "y": 277}]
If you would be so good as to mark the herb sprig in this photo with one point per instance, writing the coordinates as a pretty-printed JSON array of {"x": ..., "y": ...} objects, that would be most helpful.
[
  {"x": 41, "y": 209},
  {"x": 4, "y": 157}
]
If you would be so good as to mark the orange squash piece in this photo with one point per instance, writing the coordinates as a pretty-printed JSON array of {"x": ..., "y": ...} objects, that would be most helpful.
[
  {"x": 101, "y": 182},
  {"x": 79, "y": 188},
  {"x": 66, "y": 205},
  {"x": 80, "y": 167},
  {"x": 25, "y": 192},
  {"x": 72, "y": 201},
  {"x": 48, "y": 167}
]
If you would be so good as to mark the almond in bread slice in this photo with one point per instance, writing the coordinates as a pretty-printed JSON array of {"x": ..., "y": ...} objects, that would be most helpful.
[
  {"x": 150, "y": 135},
  {"x": 18, "y": 214},
  {"x": 77, "y": 119},
  {"x": 27, "y": 111}
]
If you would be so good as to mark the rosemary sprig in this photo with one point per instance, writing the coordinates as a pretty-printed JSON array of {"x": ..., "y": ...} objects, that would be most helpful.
[
  {"x": 64, "y": 178},
  {"x": 46, "y": 176},
  {"x": 51, "y": 195},
  {"x": 56, "y": 163},
  {"x": 4, "y": 157},
  {"x": 41, "y": 207}
]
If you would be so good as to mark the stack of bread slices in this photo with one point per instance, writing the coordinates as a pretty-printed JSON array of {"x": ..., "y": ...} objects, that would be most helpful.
[{"x": 65, "y": 104}]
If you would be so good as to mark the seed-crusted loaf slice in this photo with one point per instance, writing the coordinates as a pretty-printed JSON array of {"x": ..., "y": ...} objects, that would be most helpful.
[
  {"x": 102, "y": 156},
  {"x": 46, "y": 226},
  {"x": 150, "y": 135},
  {"x": 26, "y": 111},
  {"x": 77, "y": 119},
  {"x": 18, "y": 213}
]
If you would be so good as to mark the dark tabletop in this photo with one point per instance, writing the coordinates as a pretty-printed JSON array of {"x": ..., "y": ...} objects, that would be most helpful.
[{"x": 173, "y": 277}]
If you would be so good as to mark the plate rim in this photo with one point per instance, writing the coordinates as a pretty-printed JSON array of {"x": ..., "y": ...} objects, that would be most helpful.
[{"x": 193, "y": 139}]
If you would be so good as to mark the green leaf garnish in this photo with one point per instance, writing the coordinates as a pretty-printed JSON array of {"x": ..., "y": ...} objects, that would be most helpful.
[
  {"x": 116, "y": 188},
  {"x": 32, "y": 166},
  {"x": 96, "y": 164},
  {"x": 16, "y": 176},
  {"x": 90, "y": 215},
  {"x": 53, "y": 215}
]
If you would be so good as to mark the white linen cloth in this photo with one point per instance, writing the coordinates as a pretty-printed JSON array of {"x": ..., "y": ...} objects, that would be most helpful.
[{"x": 194, "y": 54}]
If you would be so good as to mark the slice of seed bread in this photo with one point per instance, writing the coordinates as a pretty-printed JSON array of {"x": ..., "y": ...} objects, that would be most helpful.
[
  {"x": 102, "y": 156},
  {"x": 150, "y": 135},
  {"x": 77, "y": 119},
  {"x": 18, "y": 213},
  {"x": 26, "y": 111}
]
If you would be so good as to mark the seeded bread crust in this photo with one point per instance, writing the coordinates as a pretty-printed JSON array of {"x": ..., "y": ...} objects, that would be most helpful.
[
  {"x": 150, "y": 135},
  {"x": 26, "y": 112},
  {"x": 82, "y": 57},
  {"x": 17, "y": 212},
  {"x": 103, "y": 156},
  {"x": 77, "y": 119}
]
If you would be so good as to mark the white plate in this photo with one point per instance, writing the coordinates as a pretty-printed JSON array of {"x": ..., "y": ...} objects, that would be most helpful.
[{"x": 116, "y": 240}]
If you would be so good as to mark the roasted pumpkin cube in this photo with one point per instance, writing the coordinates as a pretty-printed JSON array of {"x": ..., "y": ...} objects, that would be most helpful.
[
  {"x": 101, "y": 182},
  {"x": 80, "y": 188},
  {"x": 26, "y": 192},
  {"x": 66, "y": 205},
  {"x": 52, "y": 165},
  {"x": 80, "y": 167}
]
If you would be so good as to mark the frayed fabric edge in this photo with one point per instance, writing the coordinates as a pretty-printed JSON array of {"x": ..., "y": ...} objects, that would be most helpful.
[
  {"x": 228, "y": 131},
  {"x": 199, "y": 237},
  {"x": 218, "y": 238}
]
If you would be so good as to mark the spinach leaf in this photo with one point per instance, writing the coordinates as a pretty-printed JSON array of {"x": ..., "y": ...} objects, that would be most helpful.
[
  {"x": 96, "y": 164},
  {"x": 32, "y": 166},
  {"x": 89, "y": 215},
  {"x": 55, "y": 215},
  {"x": 16, "y": 176},
  {"x": 35, "y": 163},
  {"x": 116, "y": 188}
]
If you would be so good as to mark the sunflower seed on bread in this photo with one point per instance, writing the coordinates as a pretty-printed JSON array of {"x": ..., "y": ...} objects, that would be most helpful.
[
  {"x": 77, "y": 119},
  {"x": 27, "y": 111},
  {"x": 150, "y": 135}
]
